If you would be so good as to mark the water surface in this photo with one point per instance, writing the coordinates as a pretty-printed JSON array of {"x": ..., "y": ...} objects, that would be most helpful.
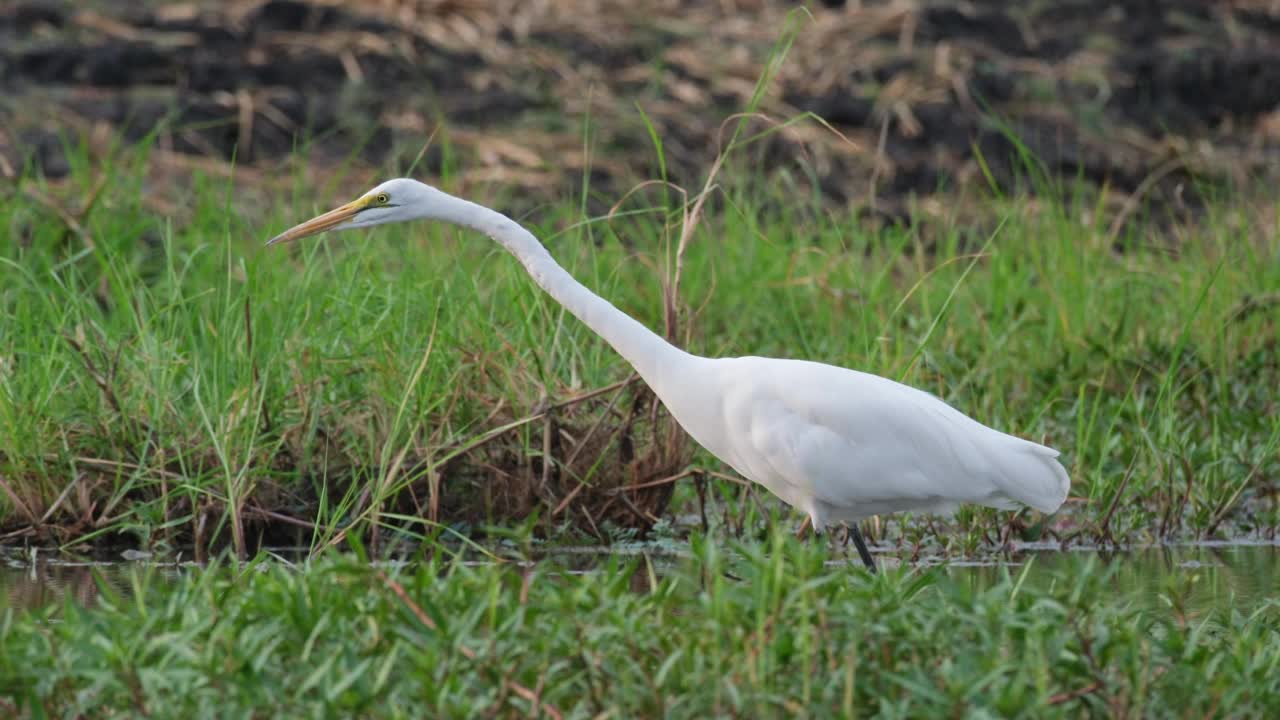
[{"x": 1187, "y": 578}]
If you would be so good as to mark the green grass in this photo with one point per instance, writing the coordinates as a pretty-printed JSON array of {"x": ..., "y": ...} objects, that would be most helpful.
[
  {"x": 178, "y": 382},
  {"x": 165, "y": 381},
  {"x": 760, "y": 629}
]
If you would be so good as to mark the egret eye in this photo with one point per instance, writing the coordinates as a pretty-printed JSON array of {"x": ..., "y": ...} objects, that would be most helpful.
[{"x": 383, "y": 198}]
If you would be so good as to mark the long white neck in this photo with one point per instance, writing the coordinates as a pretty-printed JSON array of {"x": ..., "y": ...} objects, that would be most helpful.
[{"x": 652, "y": 356}]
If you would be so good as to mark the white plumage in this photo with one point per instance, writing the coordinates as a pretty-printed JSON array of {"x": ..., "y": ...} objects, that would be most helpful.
[
  {"x": 840, "y": 445},
  {"x": 843, "y": 445}
]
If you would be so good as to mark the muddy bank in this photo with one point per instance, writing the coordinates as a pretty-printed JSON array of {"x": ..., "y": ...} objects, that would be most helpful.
[{"x": 1170, "y": 97}]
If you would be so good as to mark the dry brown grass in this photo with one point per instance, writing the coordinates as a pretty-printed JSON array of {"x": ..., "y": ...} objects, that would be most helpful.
[{"x": 909, "y": 85}]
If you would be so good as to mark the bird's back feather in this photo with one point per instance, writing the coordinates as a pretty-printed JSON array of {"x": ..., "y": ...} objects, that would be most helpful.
[{"x": 843, "y": 444}]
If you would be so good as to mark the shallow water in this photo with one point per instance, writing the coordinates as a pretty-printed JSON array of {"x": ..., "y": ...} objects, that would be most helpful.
[{"x": 1186, "y": 578}]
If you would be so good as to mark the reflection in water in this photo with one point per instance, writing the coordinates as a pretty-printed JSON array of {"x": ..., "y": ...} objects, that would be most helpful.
[
  {"x": 1186, "y": 579},
  {"x": 32, "y": 580}
]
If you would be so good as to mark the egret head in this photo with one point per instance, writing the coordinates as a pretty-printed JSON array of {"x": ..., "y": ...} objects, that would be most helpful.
[{"x": 392, "y": 201}]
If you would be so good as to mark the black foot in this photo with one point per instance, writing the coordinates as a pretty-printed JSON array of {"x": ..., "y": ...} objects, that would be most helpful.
[{"x": 862, "y": 547}]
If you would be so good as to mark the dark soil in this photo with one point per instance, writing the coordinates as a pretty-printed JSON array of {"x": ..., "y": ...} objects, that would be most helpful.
[{"x": 1111, "y": 93}]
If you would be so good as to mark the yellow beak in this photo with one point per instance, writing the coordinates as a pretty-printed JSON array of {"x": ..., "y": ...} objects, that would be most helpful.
[{"x": 321, "y": 223}]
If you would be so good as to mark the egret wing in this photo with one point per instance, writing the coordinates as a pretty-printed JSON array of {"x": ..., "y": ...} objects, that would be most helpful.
[{"x": 861, "y": 441}]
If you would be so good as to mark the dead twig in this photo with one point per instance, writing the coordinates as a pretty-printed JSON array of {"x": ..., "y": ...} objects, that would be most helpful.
[
  {"x": 281, "y": 517},
  {"x": 578, "y": 448},
  {"x": 1104, "y": 530},
  {"x": 62, "y": 497},
  {"x": 118, "y": 464},
  {"x": 1063, "y": 697},
  {"x": 642, "y": 514},
  {"x": 1132, "y": 202},
  {"x": 653, "y": 483},
  {"x": 730, "y": 478},
  {"x": 16, "y": 501}
]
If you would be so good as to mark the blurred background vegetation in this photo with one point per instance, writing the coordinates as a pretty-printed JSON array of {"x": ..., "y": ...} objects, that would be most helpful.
[{"x": 1162, "y": 99}]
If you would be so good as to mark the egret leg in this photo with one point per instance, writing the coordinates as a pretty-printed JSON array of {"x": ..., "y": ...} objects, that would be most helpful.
[
  {"x": 862, "y": 547},
  {"x": 803, "y": 532}
]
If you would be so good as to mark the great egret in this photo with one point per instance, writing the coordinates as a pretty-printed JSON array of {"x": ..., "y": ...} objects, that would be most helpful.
[{"x": 838, "y": 444}]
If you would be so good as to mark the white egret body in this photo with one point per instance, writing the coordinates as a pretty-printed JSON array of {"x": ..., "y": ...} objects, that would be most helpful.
[{"x": 840, "y": 445}]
